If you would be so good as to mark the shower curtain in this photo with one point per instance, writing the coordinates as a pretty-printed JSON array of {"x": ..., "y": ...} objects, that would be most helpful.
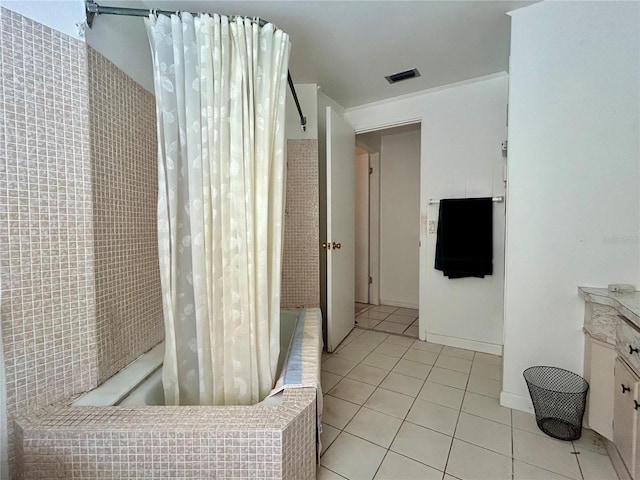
[{"x": 220, "y": 88}]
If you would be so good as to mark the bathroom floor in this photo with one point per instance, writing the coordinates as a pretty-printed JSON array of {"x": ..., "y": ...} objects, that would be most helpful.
[
  {"x": 401, "y": 409},
  {"x": 385, "y": 318}
]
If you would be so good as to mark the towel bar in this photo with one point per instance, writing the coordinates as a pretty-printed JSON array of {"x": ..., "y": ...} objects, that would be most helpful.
[{"x": 433, "y": 201}]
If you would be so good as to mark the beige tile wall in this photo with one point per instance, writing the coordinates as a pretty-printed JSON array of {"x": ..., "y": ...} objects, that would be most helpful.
[
  {"x": 124, "y": 181},
  {"x": 46, "y": 230},
  {"x": 78, "y": 252},
  {"x": 79, "y": 443},
  {"x": 300, "y": 267}
]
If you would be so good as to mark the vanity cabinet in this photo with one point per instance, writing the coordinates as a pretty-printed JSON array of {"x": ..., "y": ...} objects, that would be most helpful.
[
  {"x": 600, "y": 358},
  {"x": 626, "y": 416},
  {"x": 612, "y": 368}
]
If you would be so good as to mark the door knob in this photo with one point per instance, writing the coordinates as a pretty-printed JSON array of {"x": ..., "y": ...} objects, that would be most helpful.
[
  {"x": 337, "y": 245},
  {"x": 625, "y": 389},
  {"x": 636, "y": 405},
  {"x": 632, "y": 350},
  {"x": 326, "y": 246}
]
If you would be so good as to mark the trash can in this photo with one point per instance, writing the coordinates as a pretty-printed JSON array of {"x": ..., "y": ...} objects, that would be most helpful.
[{"x": 559, "y": 398}]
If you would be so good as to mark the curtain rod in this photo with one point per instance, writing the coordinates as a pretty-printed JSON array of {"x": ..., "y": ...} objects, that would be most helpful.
[
  {"x": 92, "y": 9},
  {"x": 433, "y": 201}
]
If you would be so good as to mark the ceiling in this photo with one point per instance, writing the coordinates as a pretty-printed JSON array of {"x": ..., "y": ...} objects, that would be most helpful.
[{"x": 347, "y": 47}]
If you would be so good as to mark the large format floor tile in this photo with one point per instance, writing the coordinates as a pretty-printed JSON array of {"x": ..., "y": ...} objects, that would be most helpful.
[
  {"x": 374, "y": 426},
  {"x": 454, "y": 363},
  {"x": 484, "y": 433},
  {"x": 448, "y": 377},
  {"x": 442, "y": 395},
  {"x": 423, "y": 445},
  {"x": 391, "y": 403},
  {"x": 555, "y": 455},
  {"x": 380, "y": 360},
  {"x": 436, "y": 417},
  {"x": 412, "y": 369},
  {"x": 486, "y": 407},
  {"x": 368, "y": 374},
  {"x": 402, "y": 409},
  {"x": 337, "y": 412},
  {"x": 353, "y": 457},
  {"x": 352, "y": 391},
  {"x": 395, "y": 467},
  {"x": 524, "y": 471},
  {"x": 469, "y": 462},
  {"x": 397, "y": 382},
  {"x": 595, "y": 466}
]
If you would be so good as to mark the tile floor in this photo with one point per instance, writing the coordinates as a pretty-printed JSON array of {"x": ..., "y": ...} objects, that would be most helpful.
[
  {"x": 385, "y": 318},
  {"x": 401, "y": 409}
]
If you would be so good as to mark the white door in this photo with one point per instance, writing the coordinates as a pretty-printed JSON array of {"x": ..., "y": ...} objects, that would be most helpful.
[
  {"x": 362, "y": 227},
  {"x": 340, "y": 231}
]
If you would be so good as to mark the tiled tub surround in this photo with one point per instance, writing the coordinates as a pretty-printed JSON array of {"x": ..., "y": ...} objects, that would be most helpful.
[
  {"x": 300, "y": 262},
  {"x": 78, "y": 255},
  {"x": 275, "y": 439},
  {"x": 46, "y": 228},
  {"x": 140, "y": 383},
  {"x": 124, "y": 183},
  {"x": 173, "y": 442},
  {"x": 80, "y": 290}
]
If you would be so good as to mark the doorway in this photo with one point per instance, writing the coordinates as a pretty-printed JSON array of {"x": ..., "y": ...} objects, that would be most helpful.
[{"x": 387, "y": 228}]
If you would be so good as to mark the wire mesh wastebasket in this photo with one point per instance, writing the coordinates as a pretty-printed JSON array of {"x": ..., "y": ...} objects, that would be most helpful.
[{"x": 559, "y": 398}]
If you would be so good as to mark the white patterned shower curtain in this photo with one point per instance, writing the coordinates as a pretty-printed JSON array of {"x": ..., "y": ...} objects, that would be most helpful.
[{"x": 220, "y": 94}]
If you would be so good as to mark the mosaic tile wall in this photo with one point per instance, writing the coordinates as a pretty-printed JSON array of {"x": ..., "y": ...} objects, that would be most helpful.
[
  {"x": 300, "y": 263},
  {"x": 78, "y": 252},
  {"x": 46, "y": 230},
  {"x": 124, "y": 181},
  {"x": 268, "y": 443}
]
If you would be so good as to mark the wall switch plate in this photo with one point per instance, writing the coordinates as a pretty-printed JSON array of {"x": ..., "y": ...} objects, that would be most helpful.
[{"x": 432, "y": 226}]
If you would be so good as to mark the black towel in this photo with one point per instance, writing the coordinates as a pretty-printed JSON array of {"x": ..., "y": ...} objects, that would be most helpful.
[{"x": 464, "y": 247}]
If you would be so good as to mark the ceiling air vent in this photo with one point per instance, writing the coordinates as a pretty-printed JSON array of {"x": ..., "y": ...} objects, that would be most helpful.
[{"x": 398, "y": 77}]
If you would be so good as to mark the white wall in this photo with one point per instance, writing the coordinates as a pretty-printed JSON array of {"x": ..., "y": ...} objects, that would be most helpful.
[
  {"x": 574, "y": 177},
  {"x": 399, "y": 218},
  {"x": 61, "y": 15},
  {"x": 124, "y": 41},
  {"x": 462, "y": 129}
]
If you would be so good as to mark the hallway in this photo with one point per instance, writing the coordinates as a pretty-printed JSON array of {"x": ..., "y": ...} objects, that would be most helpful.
[{"x": 386, "y": 318}]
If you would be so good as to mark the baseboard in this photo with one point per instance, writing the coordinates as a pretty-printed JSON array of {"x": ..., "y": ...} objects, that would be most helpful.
[
  {"x": 464, "y": 343},
  {"x": 517, "y": 402},
  {"x": 616, "y": 460},
  {"x": 393, "y": 303}
]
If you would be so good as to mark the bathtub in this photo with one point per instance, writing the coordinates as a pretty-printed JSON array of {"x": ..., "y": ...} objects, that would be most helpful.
[
  {"x": 140, "y": 383},
  {"x": 126, "y": 432}
]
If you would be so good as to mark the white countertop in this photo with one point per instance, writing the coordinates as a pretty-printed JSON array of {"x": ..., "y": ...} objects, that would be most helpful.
[{"x": 628, "y": 304}]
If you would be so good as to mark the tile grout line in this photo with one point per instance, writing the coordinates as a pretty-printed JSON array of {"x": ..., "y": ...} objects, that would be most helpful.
[
  {"x": 577, "y": 460},
  {"x": 390, "y": 370},
  {"x": 453, "y": 437},
  {"x": 513, "y": 453},
  {"x": 415, "y": 398}
]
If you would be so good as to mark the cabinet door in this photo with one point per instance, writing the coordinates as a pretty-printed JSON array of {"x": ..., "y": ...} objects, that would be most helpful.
[
  {"x": 600, "y": 361},
  {"x": 625, "y": 420},
  {"x": 636, "y": 448}
]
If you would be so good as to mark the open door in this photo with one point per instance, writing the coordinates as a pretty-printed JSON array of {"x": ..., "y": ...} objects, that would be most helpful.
[
  {"x": 339, "y": 241},
  {"x": 361, "y": 223}
]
